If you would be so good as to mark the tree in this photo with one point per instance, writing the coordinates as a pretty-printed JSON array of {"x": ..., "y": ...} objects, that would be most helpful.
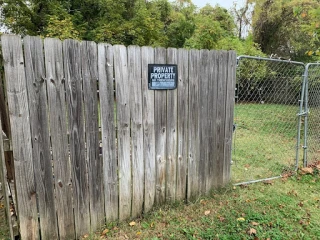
[{"x": 279, "y": 29}]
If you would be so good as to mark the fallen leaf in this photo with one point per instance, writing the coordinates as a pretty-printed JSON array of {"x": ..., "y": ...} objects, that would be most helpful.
[
  {"x": 307, "y": 170},
  {"x": 132, "y": 223},
  {"x": 138, "y": 233},
  {"x": 105, "y": 231},
  {"x": 207, "y": 212},
  {"x": 221, "y": 219},
  {"x": 240, "y": 219},
  {"x": 254, "y": 223},
  {"x": 252, "y": 231},
  {"x": 268, "y": 182},
  {"x": 203, "y": 202}
]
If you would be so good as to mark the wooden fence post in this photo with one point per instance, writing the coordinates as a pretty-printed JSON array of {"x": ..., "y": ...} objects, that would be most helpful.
[
  {"x": 21, "y": 137},
  {"x": 3, "y": 181},
  {"x": 107, "y": 109},
  {"x": 37, "y": 98}
]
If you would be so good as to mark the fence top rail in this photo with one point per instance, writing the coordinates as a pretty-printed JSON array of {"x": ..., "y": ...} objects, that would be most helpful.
[
  {"x": 312, "y": 64},
  {"x": 268, "y": 59}
]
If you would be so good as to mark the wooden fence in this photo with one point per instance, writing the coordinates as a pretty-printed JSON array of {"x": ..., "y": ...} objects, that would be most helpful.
[{"x": 92, "y": 144}]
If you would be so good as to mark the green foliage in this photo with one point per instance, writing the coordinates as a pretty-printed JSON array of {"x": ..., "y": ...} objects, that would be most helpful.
[
  {"x": 61, "y": 28},
  {"x": 139, "y": 22},
  {"x": 286, "y": 28}
]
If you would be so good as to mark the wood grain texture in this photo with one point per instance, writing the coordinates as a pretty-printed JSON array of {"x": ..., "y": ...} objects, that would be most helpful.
[
  {"x": 148, "y": 131},
  {"x": 59, "y": 141},
  {"x": 172, "y": 121},
  {"x": 74, "y": 97},
  {"x": 4, "y": 114},
  {"x": 21, "y": 137},
  {"x": 37, "y": 97},
  {"x": 193, "y": 145},
  {"x": 123, "y": 123},
  {"x": 89, "y": 61},
  {"x": 220, "y": 119},
  {"x": 109, "y": 155},
  {"x": 3, "y": 180},
  {"x": 183, "y": 103},
  {"x": 212, "y": 111},
  {"x": 203, "y": 120},
  {"x": 160, "y": 123},
  {"x": 230, "y": 101},
  {"x": 134, "y": 67}
]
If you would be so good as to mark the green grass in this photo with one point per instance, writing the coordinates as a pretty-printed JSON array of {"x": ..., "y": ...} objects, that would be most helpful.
[
  {"x": 284, "y": 209},
  {"x": 265, "y": 140}
]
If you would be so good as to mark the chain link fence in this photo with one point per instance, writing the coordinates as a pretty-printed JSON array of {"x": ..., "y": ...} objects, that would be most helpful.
[
  {"x": 312, "y": 108},
  {"x": 268, "y": 93}
]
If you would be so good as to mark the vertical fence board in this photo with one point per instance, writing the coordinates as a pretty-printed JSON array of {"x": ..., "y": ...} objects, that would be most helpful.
[
  {"x": 72, "y": 66},
  {"x": 172, "y": 118},
  {"x": 193, "y": 144},
  {"x": 183, "y": 96},
  {"x": 123, "y": 121},
  {"x": 95, "y": 175},
  {"x": 203, "y": 119},
  {"x": 230, "y": 91},
  {"x": 160, "y": 123},
  {"x": 3, "y": 180},
  {"x": 134, "y": 64},
  {"x": 37, "y": 95},
  {"x": 220, "y": 122},
  {"x": 212, "y": 111},
  {"x": 59, "y": 140},
  {"x": 107, "y": 109},
  {"x": 148, "y": 130},
  {"x": 21, "y": 137}
]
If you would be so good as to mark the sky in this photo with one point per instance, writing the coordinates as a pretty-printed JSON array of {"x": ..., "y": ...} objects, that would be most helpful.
[{"x": 223, "y": 3}]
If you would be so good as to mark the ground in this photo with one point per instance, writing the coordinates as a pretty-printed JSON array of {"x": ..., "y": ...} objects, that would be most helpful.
[{"x": 287, "y": 208}]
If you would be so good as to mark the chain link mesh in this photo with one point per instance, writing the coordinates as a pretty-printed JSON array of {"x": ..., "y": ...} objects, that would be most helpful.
[
  {"x": 313, "y": 124},
  {"x": 268, "y": 93}
]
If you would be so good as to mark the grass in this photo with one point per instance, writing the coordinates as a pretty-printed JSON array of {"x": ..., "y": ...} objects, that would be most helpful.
[
  {"x": 288, "y": 208},
  {"x": 264, "y": 141}
]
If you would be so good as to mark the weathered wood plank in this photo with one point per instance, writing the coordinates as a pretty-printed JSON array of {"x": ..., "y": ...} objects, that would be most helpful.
[
  {"x": 160, "y": 123},
  {"x": 148, "y": 130},
  {"x": 59, "y": 141},
  {"x": 74, "y": 97},
  {"x": 21, "y": 137},
  {"x": 230, "y": 100},
  {"x": 134, "y": 65},
  {"x": 220, "y": 120},
  {"x": 183, "y": 95},
  {"x": 203, "y": 119},
  {"x": 4, "y": 114},
  {"x": 110, "y": 164},
  {"x": 212, "y": 111},
  {"x": 123, "y": 123},
  {"x": 172, "y": 121},
  {"x": 3, "y": 180},
  {"x": 193, "y": 145},
  {"x": 89, "y": 63},
  {"x": 37, "y": 97}
]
